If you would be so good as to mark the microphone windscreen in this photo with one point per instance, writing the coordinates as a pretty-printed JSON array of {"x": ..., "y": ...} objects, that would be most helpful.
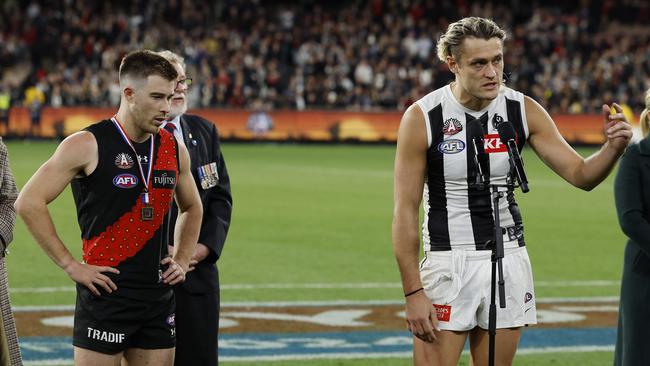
[
  {"x": 474, "y": 130},
  {"x": 506, "y": 132}
]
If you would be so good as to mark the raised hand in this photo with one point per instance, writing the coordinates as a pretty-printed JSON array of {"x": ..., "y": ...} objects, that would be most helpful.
[{"x": 617, "y": 129}]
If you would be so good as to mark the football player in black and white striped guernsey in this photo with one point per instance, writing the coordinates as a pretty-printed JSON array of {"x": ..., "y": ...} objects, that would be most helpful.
[{"x": 448, "y": 292}]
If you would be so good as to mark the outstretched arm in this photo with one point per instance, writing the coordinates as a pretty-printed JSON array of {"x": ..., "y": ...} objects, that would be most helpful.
[
  {"x": 75, "y": 155},
  {"x": 410, "y": 166},
  {"x": 551, "y": 147}
]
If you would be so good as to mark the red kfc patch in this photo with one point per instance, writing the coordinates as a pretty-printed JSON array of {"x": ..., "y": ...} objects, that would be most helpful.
[
  {"x": 443, "y": 312},
  {"x": 492, "y": 144}
]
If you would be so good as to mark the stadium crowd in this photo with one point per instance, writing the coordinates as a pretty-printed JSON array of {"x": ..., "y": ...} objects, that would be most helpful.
[{"x": 361, "y": 55}]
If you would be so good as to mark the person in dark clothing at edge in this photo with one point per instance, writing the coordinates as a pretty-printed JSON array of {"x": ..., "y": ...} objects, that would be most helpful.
[
  {"x": 197, "y": 299},
  {"x": 125, "y": 172},
  {"x": 632, "y": 205}
]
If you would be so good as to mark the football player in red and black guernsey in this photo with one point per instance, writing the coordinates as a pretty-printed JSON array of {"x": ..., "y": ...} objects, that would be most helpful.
[{"x": 124, "y": 172}]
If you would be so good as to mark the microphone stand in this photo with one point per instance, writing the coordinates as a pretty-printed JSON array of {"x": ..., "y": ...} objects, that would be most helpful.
[{"x": 497, "y": 264}]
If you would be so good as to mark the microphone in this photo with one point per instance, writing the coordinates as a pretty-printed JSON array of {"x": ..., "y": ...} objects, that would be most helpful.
[
  {"x": 508, "y": 136},
  {"x": 475, "y": 135}
]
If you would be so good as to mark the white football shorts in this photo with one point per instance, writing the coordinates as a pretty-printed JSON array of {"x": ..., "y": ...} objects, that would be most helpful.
[{"x": 458, "y": 283}]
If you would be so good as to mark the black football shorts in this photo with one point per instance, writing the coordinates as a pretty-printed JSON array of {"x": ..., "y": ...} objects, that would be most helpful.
[{"x": 112, "y": 323}]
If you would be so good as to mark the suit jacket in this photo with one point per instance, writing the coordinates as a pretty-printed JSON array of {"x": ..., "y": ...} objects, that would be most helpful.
[
  {"x": 9, "y": 349},
  {"x": 8, "y": 194},
  {"x": 202, "y": 141}
]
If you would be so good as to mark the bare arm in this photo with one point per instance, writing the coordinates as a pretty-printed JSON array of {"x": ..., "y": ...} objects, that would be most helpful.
[
  {"x": 188, "y": 224},
  {"x": 410, "y": 166},
  {"x": 551, "y": 147},
  {"x": 76, "y": 154}
]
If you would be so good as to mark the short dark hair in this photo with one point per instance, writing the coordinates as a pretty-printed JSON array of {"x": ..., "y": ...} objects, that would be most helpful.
[{"x": 142, "y": 64}]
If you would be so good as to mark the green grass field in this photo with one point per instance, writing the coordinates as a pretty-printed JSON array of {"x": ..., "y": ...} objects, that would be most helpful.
[{"x": 309, "y": 214}]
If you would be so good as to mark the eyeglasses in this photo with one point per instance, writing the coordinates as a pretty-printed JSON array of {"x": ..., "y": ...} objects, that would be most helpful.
[{"x": 185, "y": 82}]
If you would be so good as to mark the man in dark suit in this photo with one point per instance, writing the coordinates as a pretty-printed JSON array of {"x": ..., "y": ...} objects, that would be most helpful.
[{"x": 197, "y": 300}]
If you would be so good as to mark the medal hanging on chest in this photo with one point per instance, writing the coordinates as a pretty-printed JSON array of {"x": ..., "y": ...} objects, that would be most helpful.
[{"x": 147, "y": 210}]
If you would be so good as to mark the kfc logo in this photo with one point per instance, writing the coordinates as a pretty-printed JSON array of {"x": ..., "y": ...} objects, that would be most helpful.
[
  {"x": 492, "y": 144},
  {"x": 443, "y": 312}
]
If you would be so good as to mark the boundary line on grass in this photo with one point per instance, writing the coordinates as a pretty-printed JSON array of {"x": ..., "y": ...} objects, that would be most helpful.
[
  {"x": 333, "y": 303},
  {"x": 333, "y": 286}
]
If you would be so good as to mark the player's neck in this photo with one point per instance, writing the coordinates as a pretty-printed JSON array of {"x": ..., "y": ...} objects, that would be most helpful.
[
  {"x": 135, "y": 133},
  {"x": 467, "y": 100}
]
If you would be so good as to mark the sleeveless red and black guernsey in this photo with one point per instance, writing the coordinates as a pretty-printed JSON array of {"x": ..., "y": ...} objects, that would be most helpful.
[{"x": 109, "y": 207}]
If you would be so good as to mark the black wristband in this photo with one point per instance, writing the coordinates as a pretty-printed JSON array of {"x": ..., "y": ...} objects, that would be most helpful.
[{"x": 414, "y": 292}]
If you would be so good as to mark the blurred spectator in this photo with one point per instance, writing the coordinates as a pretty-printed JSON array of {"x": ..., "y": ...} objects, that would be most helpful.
[
  {"x": 259, "y": 122},
  {"x": 359, "y": 54},
  {"x": 34, "y": 100}
]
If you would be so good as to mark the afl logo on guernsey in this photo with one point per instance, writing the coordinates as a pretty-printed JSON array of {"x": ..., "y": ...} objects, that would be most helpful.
[
  {"x": 124, "y": 161},
  {"x": 451, "y": 146},
  {"x": 125, "y": 181}
]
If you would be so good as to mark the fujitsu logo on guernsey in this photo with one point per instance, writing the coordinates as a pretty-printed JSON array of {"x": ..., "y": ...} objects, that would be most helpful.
[
  {"x": 105, "y": 336},
  {"x": 451, "y": 146},
  {"x": 124, "y": 161},
  {"x": 164, "y": 179},
  {"x": 125, "y": 181}
]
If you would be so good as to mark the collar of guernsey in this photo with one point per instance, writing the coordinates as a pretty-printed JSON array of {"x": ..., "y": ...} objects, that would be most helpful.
[{"x": 145, "y": 178}]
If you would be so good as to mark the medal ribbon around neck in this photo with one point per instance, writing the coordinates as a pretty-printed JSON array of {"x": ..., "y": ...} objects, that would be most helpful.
[{"x": 147, "y": 178}]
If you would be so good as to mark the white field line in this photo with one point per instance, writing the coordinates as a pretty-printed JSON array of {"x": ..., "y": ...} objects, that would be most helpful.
[
  {"x": 332, "y": 303},
  {"x": 333, "y": 286},
  {"x": 360, "y": 355},
  {"x": 520, "y": 351},
  {"x": 53, "y": 362}
]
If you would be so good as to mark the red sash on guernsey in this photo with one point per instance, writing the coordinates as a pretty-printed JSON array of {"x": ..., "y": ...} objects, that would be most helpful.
[{"x": 128, "y": 235}]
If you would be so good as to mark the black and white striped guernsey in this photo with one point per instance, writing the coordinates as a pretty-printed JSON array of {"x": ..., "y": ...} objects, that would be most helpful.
[{"x": 457, "y": 214}]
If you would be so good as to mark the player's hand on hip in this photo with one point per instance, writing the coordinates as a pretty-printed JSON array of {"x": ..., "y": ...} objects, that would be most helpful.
[
  {"x": 421, "y": 317},
  {"x": 91, "y": 276},
  {"x": 617, "y": 129},
  {"x": 175, "y": 272},
  {"x": 192, "y": 265}
]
